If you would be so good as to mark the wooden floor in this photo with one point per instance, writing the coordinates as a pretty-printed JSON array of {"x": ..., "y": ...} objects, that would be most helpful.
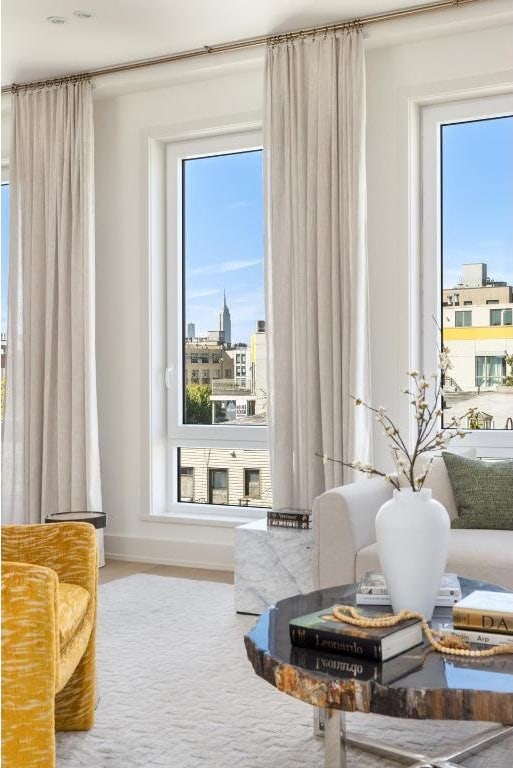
[{"x": 118, "y": 569}]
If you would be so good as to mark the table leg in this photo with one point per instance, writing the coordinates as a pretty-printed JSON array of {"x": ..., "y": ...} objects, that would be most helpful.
[
  {"x": 318, "y": 722},
  {"x": 334, "y": 739}
]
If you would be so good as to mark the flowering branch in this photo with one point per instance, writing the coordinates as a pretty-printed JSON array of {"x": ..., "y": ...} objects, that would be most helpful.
[
  {"x": 365, "y": 468},
  {"x": 429, "y": 435}
]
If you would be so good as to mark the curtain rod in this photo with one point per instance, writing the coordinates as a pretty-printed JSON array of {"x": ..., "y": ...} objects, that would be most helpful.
[{"x": 250, "y": 42}]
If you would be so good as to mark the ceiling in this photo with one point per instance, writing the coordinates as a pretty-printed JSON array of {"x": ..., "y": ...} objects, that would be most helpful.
[{"x": 124, "y": 30}]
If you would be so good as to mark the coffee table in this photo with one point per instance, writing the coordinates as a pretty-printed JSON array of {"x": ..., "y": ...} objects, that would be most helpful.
[{"x": 419, "y": 684}]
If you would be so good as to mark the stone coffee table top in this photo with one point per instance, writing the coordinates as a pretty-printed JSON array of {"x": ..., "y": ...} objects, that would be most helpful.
[{"x": 420, "y": 683}]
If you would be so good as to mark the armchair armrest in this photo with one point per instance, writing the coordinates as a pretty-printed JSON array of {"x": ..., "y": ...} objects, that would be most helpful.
[
  {"x": 30, "y": 650},
  {"x": 69, "y": 549},
  {"x": 343, "y": 523}
]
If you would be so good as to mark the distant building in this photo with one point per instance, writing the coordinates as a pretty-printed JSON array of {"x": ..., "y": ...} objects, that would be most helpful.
[
  {"x": 239, "y": 356},
  {"x": 237, "y": 376},
  {"x": 191, "y": 330},
  {"x": 216, "y": 336},
  {"x": 478, "y": 331},
  {"x": 221, "y": 476},
  {"x": 243, "y": 398},
  {"x": 4, "y": 352},
  {"x": 477, "y": 288},
  {"x": 258, "y": 362},
  {"x": 225, "y": 323},
  {"x": 206, "y": 361}
]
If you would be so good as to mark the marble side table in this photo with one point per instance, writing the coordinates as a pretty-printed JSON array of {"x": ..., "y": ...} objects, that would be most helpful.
[{"x": 270, "y": 564}]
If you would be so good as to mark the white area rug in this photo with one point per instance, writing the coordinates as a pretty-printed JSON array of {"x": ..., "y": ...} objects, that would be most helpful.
[{"x": 177, "y": 691}]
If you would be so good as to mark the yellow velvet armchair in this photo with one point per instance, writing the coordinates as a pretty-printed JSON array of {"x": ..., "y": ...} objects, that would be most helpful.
[{"x": 49, "y": 584}]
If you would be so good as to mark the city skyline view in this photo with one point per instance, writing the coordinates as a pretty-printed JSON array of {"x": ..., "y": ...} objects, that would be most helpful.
[
  {"x": 477, "y": 261},
  {"x": 224, "y": 242}
]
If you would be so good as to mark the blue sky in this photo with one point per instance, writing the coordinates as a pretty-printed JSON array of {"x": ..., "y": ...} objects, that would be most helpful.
[
  {"x": 5, "y": 252},
  {"x": 224, "y": 224},
  {"x": 224, "y": 241},
  {"x": 478, "y": 197}
]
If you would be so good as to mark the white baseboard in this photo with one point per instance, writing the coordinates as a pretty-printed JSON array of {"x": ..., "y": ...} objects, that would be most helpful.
[{"x": 186, "y": 554}]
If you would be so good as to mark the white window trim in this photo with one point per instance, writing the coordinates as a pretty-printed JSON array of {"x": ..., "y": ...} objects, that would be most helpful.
[
  {"x": 432, "y": 116},
  {"x": 178, "y": 434},
  {"x": 154, "y": 445}
]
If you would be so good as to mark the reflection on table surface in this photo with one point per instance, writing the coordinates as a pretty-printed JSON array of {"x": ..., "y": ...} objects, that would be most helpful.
[{"x": 419, "y": 668}]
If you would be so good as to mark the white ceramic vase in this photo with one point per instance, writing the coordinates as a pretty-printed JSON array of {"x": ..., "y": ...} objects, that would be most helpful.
[{"x": 412, "y": 532}]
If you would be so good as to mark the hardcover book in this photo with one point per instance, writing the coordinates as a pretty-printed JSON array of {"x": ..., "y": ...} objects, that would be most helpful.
[
  {"x": 373, "y": 583},
  {"x": 320, "y": 632},
  {"x": 474, "y": 636},
  {"x": 288, "y": 518},
  {"x": 442, "y": 601},
  {"x": 485, "y": 611}
]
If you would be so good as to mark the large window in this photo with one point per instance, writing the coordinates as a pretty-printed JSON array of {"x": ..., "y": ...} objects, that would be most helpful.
[
  {"x": 217, "y": 374},
  {"x": 468, "y": 221}
]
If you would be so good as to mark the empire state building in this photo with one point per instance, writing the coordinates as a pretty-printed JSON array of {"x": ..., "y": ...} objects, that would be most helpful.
[{"x": 225, "y": 323}]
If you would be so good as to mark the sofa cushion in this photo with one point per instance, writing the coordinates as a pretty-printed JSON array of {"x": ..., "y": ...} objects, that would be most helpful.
[
  {"x": 72, "y": 606},
  {"x": 477, "y": 554},
  {"x": 483, "y": 491}
]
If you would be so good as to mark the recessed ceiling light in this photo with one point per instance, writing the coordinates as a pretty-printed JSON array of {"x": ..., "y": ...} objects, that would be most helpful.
[
  {"x": 84, "y": 14},
  {"x": 56, "y": 19}
]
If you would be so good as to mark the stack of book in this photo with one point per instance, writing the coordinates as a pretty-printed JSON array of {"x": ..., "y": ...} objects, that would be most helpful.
[
  {"x": 321, "y": 632},
  {"x": 372, "y": 590},
  {"x": 482, "y": 617}
]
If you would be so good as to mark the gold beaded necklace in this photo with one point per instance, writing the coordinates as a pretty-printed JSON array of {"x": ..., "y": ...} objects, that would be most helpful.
[{"x": 449, "y": 644}]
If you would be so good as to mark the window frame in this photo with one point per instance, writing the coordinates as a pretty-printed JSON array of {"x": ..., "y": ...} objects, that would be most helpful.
[
  {"x": 464, "y": 314},
  {"x": 188, "y": 474},
  {"x": 211, "y": 487},
  {"x": 493, "y": 313},
  {"x": 180, "y": 435},
  {"x": 247, "y": 483},
  {"x": 488, "y": 443}
]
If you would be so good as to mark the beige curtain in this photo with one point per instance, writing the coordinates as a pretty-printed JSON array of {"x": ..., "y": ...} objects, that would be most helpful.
[
  {"x": 50, "y": 450},
  {"x": 317, "y": 263}
]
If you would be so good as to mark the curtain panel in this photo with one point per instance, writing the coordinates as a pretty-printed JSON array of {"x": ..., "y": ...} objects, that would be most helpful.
[
  {"x": 50, "y": 451},
  {"x": 317, "y": 292}
]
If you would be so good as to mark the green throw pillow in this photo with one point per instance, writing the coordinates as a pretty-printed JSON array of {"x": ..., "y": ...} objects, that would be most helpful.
[{"x": 483, "y": 492}]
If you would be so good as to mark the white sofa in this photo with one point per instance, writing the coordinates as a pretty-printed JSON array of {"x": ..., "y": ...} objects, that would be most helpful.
[{"x": 345, "y": 541}]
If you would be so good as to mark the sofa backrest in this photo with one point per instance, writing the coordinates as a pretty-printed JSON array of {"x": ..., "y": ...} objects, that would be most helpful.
[{"x": 438, "y": 481}]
